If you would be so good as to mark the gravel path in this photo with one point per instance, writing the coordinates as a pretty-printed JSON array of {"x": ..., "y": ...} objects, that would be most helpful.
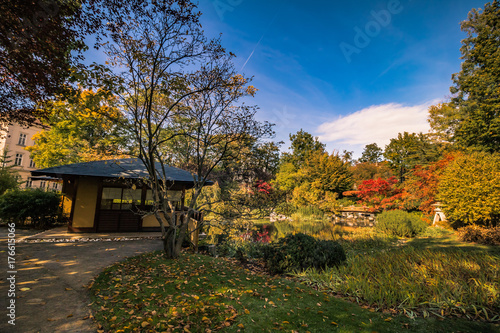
[{"x": 50, "y": 280}]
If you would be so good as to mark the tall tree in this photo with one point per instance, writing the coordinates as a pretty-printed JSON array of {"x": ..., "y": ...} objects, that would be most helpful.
[
  {"x": 42, "y": 45},
  {"x": 409, "y": 150},
  {"x": 89, "y": 127},
  {"x": 476, "y": 87},
  {"x": 365, "y": 171},
  {"x": 321, "y": 180},
  {"x": 177, "y": 84},
  {"x": 257, "y": 161},
  {"x": 371, "y": 154},
  {"x": 302, "y": 145},
  {"x": 444, "y": 119},
  {"x": 347, "y": 156}
]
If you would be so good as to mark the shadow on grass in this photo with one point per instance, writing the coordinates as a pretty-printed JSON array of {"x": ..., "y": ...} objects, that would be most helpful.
[{"x": 450, "y": 241}]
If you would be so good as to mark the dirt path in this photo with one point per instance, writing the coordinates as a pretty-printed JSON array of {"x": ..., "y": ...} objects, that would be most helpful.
[{"x": 55, "y": 274}]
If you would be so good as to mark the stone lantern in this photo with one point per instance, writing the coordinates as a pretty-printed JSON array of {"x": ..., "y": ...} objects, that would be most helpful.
[{"x": 439, "y": 215}]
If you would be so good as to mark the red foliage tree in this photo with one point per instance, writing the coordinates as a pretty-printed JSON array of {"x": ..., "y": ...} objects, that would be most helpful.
[
  {"x": 422, "y": 184},
  {"x": 381, "y": 194}
]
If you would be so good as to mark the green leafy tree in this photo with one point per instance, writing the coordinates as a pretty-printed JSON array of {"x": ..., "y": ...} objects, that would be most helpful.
[
  {"x": 347, "y": 156},
  {"x": 371, "y": 154},
  {"x": 321, "y": 180},
  {"x": 444, "y": 119},
  {"x": 302, "y": 145},
  {"x": 310, "y": 176},
  {"x": 9, "y": 178},
  {"x": 366, "y": 170},
  {"x": 476, "y": 87},
  {"x": 88, "y": 127},
  {"x": 470, "y": 189},
  {"x": 408, "y": 150},
  {"x": 256, "y": 161},
  {"x": 42, "y": 45},
  {"x": 287, "y": 177}
]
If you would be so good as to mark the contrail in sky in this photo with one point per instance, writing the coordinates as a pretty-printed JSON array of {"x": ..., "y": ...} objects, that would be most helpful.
[
  {"x": 251, "y": 54},
  {"x": 258, "y": 43}
]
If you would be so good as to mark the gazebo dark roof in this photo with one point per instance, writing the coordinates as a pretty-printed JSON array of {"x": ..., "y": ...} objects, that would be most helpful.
[{"x": 128, "y": 168}]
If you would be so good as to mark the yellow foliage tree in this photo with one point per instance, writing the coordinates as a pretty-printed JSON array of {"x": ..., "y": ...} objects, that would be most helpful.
[
  {"x": 470, "y": 189},
  {"x": 88, "y": 127}
]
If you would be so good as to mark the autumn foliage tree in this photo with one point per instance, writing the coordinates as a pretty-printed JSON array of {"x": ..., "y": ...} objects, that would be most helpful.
[
  {"x": 178, "y": 88},
  {"x": 367, "y": 170},
  {"x": 381, "y": 194},
  {"x": 321, "y": 180},
  {"x": 470, "y": 189},
  {"x": 88, "y": 127},
  {"x": 423, "y": 182}
]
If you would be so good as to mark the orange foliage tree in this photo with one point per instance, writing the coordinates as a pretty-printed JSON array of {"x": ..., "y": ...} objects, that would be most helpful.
[
  {"x": 381, "y": 194},
  {"x": 421, "y": 186}
]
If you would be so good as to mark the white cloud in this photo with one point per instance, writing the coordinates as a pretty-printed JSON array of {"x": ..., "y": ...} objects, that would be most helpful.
[{"x": 377, "y": 123}]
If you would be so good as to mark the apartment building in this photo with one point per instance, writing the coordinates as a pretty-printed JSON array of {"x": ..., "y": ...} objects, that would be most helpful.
[{"x": 15, "y": 138}]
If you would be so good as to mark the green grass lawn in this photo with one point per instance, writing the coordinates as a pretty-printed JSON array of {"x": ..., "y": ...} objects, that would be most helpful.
[
  {"x": 436, "y": 275},
  {"x": 443, "y": 239},
  {"x": 199, "y": 293}
]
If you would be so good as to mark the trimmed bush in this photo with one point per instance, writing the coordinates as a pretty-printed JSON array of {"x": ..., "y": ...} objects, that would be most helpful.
[
  {"x": 39, "y": 207},
  {"x": 298, "y": 252},
  {"x": 400, "y": 223},
  {"x": 477, "y": 234}
]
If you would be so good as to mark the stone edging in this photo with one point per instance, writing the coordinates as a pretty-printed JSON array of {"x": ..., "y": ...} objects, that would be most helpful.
[{"x": 83, "y": 239}]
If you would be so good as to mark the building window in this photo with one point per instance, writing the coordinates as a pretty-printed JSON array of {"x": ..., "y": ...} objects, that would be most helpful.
[
  {"x": 174, "y": 196},
  {"x": 19, "y": 159},
  {"x": 32, "y": 163},
  {"x": 29, "y": 183},
  {"x": 54, "y": 186},
  {"x": 22, "y": 139},
  {"x": 120, "y": 199},
  {"x": 43, "y": 183}
]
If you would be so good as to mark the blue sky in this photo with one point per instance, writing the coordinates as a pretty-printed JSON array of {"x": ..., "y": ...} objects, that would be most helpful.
[{"x": 351, "y": 73}]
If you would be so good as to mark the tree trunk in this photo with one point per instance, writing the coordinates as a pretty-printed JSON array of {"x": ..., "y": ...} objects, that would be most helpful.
[
  {"x": 169, "y": 244},
  {"x": 169, "y": 235},
  {"x": 182, "y": 233}
]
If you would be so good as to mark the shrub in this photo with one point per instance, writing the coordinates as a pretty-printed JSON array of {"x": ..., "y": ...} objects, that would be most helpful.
[
  {"x": 241, "y": 249},
  {"x": 300, "y": 251},
  {"x": 39, "y": 207},
  {"x": 478, "y": 234},
  {"x": 8, "y": 181},
  {"x": 400, "y": 223},
  {"x": 470, "y": 190}
]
